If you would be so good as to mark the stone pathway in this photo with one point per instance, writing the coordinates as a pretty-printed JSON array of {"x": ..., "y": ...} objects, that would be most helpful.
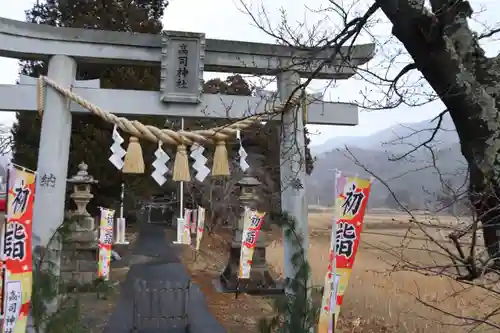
[{"x": 155, "y": 261}]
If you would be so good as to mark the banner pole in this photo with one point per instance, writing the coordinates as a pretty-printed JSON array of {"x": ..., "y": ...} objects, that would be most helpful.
[{"x": 333, "y": 298}]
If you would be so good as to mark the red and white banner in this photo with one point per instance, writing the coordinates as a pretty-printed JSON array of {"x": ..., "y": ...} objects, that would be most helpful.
[
  {"x": 105, "y": 242},
  {"x": 252, "y": 222},
  {"x": 351, "y": 199},
  {"x": 16, "y": 250},
  {"x": 201, "y": 227},
  {"x": 186, "y": 232}
]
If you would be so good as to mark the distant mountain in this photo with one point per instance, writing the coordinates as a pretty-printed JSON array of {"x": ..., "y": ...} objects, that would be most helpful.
[
  {"x": 396, "y": 138},
  {"x": 414, "y": 178}
]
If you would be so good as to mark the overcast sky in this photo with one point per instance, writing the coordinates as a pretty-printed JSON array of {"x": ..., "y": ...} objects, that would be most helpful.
[{"x": 225, "y": 20}]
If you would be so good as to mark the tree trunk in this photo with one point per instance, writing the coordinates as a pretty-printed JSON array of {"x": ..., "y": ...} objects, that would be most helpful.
[{"x": 447, "y": 53}]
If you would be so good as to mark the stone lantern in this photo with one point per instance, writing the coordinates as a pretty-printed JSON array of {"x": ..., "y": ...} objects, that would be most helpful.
[
  {"x": 260, "y": 281},
  {"x": 82, "y": 184},
  {"x": 79, "y": 260}
]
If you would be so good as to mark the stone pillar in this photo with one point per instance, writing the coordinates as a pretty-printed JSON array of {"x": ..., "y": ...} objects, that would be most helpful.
[
  {"x": 292, "y": 167},
  {"x": 53, "y": 153},
  {"x": 52, "y": 169},
  {"x": 80, "y": 249},
  {"x": 260, "y": 281}
]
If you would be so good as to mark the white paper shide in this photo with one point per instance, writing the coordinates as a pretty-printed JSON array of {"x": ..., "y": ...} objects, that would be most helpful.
[
  {"x": 118, "y": 153},
  {"x": 160, "y": 165},
  {"x": 200, "y": 162}
]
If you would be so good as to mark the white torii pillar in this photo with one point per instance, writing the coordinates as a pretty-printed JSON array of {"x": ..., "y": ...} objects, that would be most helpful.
[
  {"x": 53, "y": 148},
  {"x": 53, "y": 152},
  {"x": 292, "y": 169}
]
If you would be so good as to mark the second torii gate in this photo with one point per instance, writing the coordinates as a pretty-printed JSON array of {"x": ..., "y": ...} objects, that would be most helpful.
[{"x": 64, "y": 48}]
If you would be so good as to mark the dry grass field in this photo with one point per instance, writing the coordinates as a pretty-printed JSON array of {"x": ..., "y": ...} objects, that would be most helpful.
[
  {"x": 379, "y": 298},
  {"x": 388, "y": 300}
]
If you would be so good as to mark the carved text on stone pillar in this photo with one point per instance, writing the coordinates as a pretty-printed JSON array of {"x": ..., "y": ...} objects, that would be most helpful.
[
  {"x": 48, "y": 180},
  {"x": 182, "y": 71},
  {"x": 182, "y": 67}
]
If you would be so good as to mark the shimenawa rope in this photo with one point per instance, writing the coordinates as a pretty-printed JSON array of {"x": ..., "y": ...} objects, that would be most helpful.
[{"x": 134, "y": 162}]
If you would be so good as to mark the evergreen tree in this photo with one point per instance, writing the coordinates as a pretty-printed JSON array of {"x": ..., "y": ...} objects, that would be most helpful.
[{"x": 91, "y": 136}]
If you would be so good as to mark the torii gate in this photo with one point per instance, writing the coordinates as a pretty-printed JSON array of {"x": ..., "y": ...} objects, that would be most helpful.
[{"x": 64, "y": 48}]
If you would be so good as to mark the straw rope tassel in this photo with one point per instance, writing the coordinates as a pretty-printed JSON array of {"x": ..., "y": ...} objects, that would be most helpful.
[
  {"x": 181, "y": 165},
  {"x": 220, "y": 166},
  {"x": 134, "y": 161}
]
